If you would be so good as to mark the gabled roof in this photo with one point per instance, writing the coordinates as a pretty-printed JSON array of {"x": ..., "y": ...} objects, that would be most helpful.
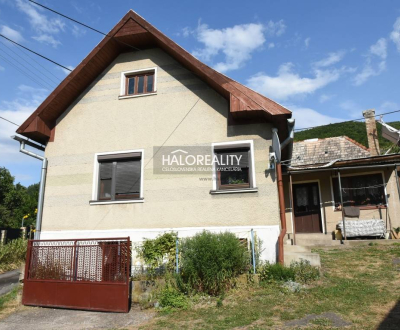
[
  {"x": 134, "y": 32},
  {"x": 323, "y": 151}
]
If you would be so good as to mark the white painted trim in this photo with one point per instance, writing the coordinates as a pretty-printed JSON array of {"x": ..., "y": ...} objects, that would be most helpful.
[
  {"x": 235, "y": 144},
  {"x": 361, "y": 174},
  {"x": 126, "y": 73},
  {"x": 122, "y": 97},
  {"x": 320, "y": 201},
  {"x": 128, "y": 201},
  {"x": 96, "y": 175},
  {"x": 233, "y": 191}
]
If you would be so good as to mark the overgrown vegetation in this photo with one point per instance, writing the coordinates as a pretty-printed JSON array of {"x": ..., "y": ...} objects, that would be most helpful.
[
  {"x": 354, "y": 130},
  {"x": 361, "y": 285},
  {"x": 12, "y": 254},
  {"x": 16, "y": 201},
  {"x": 211, "y": 262}
]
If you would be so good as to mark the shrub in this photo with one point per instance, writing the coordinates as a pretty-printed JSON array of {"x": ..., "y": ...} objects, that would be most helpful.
[
  {"x": 158, "y": 253},
  {"x": 171, "y": 297},
  {"x": 275, "y": 273},
  {"x": 210, "y": 262},
  {"x": 12, "y": 254},
  {"x": 304, "y": 272}
]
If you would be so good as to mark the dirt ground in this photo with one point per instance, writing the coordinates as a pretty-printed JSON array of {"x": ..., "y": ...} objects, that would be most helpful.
[{"x": 35, "y": 318}]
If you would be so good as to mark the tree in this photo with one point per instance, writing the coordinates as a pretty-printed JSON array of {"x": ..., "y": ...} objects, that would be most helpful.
[{"x": 16, "y": 201}]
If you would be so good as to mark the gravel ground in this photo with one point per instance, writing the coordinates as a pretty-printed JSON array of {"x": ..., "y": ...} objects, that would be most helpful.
[{"x": 35, "y": 318}]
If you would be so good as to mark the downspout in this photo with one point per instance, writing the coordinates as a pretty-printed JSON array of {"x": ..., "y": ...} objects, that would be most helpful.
[
  {"x": 22, "y": 149},
  {"x": 281, "y": 195}
]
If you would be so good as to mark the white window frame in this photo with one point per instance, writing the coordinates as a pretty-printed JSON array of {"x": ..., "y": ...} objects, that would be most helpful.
[
  {"x": 233, "y": 145},
  {"x": 134, "y": 72},
  {"x": 96, "y": 168}
]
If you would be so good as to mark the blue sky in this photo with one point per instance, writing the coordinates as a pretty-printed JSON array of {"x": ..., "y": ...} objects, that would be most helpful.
[{"x": 327, "y": 61}]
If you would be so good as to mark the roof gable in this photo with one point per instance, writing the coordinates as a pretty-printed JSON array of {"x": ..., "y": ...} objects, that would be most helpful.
[{"x": 133, "y": 32}]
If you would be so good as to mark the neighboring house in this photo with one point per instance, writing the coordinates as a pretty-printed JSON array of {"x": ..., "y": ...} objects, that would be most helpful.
[
  {"x": 369, "y": 184},
  {"x": 136, "y": 94}
]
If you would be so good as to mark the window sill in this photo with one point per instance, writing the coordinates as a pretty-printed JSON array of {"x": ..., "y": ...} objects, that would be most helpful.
[
  {"x": 121, "y": 97},
  {"x": 234, "y": 191},
  {"x": 128, "y": 201}
]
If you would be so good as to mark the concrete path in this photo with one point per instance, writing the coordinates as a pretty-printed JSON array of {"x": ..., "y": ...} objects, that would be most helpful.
[
  {"x": 8, "y": 281},
  {"x": 37, "y": 318}
]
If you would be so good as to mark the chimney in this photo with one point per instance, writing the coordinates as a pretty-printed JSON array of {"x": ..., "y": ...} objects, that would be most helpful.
[{"x": 372, "y": 133}]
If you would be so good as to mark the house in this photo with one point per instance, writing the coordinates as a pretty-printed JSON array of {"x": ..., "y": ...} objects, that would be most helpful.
[
  {"x": 137, "y": 100},
  {"x": 322, "y": 168}
]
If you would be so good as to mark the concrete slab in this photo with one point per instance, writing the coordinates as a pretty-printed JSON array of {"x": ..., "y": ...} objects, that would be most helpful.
[
  {"x": 313, "y": 258},
  {"x": 37, "y": 318},
  {"x": 8, "y": 281}
]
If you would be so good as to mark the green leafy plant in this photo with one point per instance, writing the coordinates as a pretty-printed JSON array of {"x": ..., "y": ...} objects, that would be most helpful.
[
  {"x": 158, "y": 252},
  {"x": 12, "y": 254},
  {"x": 172, "y": 297},
  {"x": 304, "y": 272},
  {"x": 275, "y": 273},
  {"x": 210, "y": 262}
]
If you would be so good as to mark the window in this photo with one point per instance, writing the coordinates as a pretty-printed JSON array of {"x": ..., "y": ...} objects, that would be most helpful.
[
  {"x": 360, "y": 190},
  {"x": 234, "y": 166},
  {"x": 119, "y": 177},
  {"x": 138, "y": 83}
]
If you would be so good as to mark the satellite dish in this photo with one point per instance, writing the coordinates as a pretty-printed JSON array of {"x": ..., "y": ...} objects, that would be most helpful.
[{"x": 276, "y": 145}]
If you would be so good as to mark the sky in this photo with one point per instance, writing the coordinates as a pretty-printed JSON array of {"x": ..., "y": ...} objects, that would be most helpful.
[{"x": 326, "y": 61}]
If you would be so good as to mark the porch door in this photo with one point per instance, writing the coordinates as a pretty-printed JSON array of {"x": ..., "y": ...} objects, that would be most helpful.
[{"x": 306, "y": 208}]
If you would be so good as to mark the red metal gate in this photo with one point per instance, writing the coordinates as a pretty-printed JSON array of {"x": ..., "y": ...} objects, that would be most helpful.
[{"x": 91, "y": 274}]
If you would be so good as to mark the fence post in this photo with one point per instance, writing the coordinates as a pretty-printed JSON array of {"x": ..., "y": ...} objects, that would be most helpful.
[
  {"x": 23, "y": 232},
  {"x": 252, "y": 251},
  {"x": 177, "y": 255},
  {"x": 3, "y": 236}
]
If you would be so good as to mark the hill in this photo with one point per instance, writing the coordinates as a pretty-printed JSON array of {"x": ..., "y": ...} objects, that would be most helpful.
[{"x": 354, "y": 130}]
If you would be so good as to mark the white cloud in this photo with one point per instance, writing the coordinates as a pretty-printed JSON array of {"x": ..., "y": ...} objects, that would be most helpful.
[
  {"x": 332, "y": 58},
  {"x": 287, "y": 83},
  {"x": 271, "y": 45},
  {"x": 395, "y": 35},
  {"x": 306, "y": 117},
  {"x": 11, "y": 33},
  {"x": 307, "y": 42},
  {"x": 325, "y": 97},
  {"x": 369, "y": 71},
  {"x": 371, "y": 68},
  {"x": 2, "y": 68},
  {"x": 67, "y": 72},
  {"x": 352, "y": 109},
  {"x": 379, "y": 48},
  {"x": 235, "y": 43},
  {"x": 77, "y": 31},
  {"x": 39, "y": 21},
  {"x": 47, "y": 39},
  {"x": 389, "y": 106}
]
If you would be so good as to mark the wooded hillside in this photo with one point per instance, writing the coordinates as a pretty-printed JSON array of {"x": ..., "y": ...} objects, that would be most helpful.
[{"x": 354, "y": 130}]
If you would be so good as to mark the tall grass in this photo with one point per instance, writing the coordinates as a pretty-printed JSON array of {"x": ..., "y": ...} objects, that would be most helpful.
[{"x": 12, "y": 254}]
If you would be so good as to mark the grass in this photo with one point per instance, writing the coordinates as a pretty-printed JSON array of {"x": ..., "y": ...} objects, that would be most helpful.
[
  {"x": 12, "y": 255},
  {"x": 359, "y": 284},
  {"x": 10, "y": 302}
]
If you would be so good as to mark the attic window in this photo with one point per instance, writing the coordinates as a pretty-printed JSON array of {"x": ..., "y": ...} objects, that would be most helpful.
[{"x": 138, "y": 83}]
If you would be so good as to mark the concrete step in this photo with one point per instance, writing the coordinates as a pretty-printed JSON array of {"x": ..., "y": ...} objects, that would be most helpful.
[
  {"x": 313, "y": 258},
  {"x": 296, "y": 248},
  {"x": 316, "y": 242}
]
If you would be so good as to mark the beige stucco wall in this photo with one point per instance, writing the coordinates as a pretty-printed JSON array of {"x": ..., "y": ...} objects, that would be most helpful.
[
  {"x": 332, "y": 217},
  {"x": 99, "y": 122}
]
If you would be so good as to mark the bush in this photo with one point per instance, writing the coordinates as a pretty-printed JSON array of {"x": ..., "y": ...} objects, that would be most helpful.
[
  {"x": 304, "y": 272},
  {"x": 171, "y": 297},
  {"x": 12, "y": 254},
  {"x": 210, "y": 262},
  {"x": 275, "y": 273}
]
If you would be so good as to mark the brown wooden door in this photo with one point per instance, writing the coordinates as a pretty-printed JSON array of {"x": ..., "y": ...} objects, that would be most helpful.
[{"x": 306, "y": 207}]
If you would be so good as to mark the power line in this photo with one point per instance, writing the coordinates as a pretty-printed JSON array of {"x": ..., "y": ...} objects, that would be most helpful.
[
  {"x": 9, "y": 121},
  {"x": 23, "y": 72},
  {"x": 347, "y": 121},
  {"x": 56, "y": 82},
  {"x": 26, "y": 68},
  {"x": 83, "y": 24},
  {"x": 32, "y": 51}
]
